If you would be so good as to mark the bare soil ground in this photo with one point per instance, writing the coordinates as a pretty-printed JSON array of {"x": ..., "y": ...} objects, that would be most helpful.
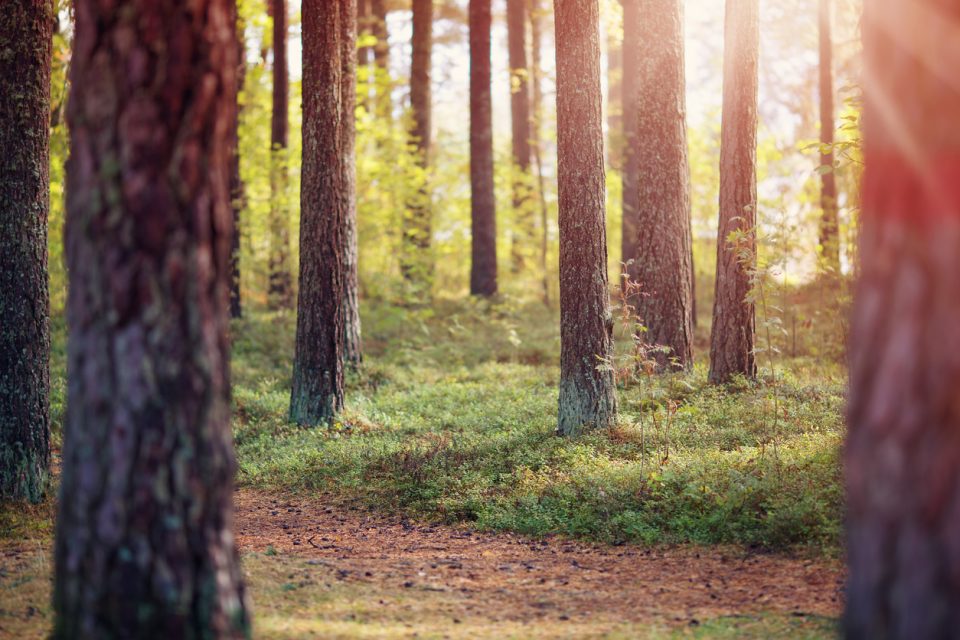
[{"x": 321, "y": 569}]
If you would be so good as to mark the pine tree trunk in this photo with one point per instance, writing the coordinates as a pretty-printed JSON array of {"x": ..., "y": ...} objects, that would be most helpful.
[
  {"x": 587, "y": 394},
  {"x": 902, "y": 476},
  {"x": 364, "y": 28},
  {"x": 280, "y": 291},
  {"x": 631, "y": 168},
  {"x": 352, "y": 342},
  {"x": 734, "y": 324},
  {"x": 236, "y": 181},
  {"x": 536, "y": 82},
  {"x": 524, "y": 236},
  {"x": 614, "y": 97},
  {"x": 144, "y": 546},
  {"x": 417, "y": 264},
  {"x": 26, "y": 32},
  {"x": 381, "y": 55},
  {"x": 662, "y": 262},
  {"x": 829, "y": 223},
  {"x": 327, "y": 211},
  {"x": 483, "y": 266}
]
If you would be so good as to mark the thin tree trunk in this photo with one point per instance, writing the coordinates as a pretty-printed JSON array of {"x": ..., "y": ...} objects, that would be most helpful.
[
  {"x": 829, "y": 223},
  {"x": 364, "y": 29},
  {"x": 144, "y": 546},
  {"x": 631, "y": 168},
  {"x": 524, "y": 236},
  {"x": 417, "y": 264},
  {"x": 26, "y": 41},
  {"x": 614, "y": 95},
  {"x": 483, "y": 266},
  {"x": 327, "y": 211},
  {"x": 662, "y": 262},
  {"x": 280, "y": 286},
  {"x": 587, "y": 394},
  {"x": 381, "y": 54},
  {"x": 236, "y": 181},
  {"x": 352, "y": 343},
  {"x": 902, "y": 476},
  {"x": 734, "y": 324},
  {"x": 536, "y": 79}
]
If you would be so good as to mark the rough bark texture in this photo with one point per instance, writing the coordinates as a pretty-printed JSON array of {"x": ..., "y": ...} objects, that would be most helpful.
[
  {"x": 327, "y": 210},
  {"x": 236, "y": 182},
  {"x": 144, "y": 544},
  {"x": 829, "y": 223},
  {"x": 587, "y": 393},
  {"x": 903, "y": 447},
  {"x": 280, "y": 291},
  {"x": 631, "y": 168},
  {"x": 26, "y": 32},
  {"x": 662, "y": 262},
  {"x": 483, "y": 265},
  {"x": 734, "y": 324},
  {"x": 417, "y": 264},
  {"x": 524, "y": 236}
]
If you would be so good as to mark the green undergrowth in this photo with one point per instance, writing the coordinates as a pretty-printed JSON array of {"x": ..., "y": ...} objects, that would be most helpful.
[{"x": 452, "y": 418}]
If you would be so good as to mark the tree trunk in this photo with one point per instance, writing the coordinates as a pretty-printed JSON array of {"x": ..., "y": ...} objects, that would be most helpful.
[
  {"x": 280, "y": 286},
  {"x": 236, "y": 181},
  {"x": 483, "y": 266},
  {"x": 381, "y": 55},
  {"x": 829, "y": 223},
  {"x": 364, "y": 29},
  {"x": 327, "y": 211},
  {"x": 734, "y": 325},
  {"x": 352, "y": 343},
  {"x": 662, "y": 262},
  {"x": 26, "y": 41},
  {"x": 902, "y": 476},
  {"x": 614, "y": 96},
  {"x": 417, "y": 264},
  {"x": 524, "y": 236},
  {"x": 587, "y": 394},
  {"x": 144, "y": 546},
  {"x": 631, "y": 167},
  {"x": 536, "y": 80}
]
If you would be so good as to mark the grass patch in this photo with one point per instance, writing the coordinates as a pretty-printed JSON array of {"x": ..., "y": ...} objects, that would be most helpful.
[{"x": 452, "y": 418}]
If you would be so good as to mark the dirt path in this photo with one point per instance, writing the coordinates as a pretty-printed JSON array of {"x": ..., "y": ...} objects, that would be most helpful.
[{"x": 517, "y": 579}]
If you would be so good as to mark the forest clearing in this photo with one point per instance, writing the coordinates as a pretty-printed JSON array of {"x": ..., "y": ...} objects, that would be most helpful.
[{"x": 479, "y": 319}]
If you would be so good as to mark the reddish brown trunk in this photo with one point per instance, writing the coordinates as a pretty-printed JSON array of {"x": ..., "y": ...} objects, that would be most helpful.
[
  {"x": 144, "y": 546},
  {"x": 327, "y": 227},
  {"x": 536, "y": 73},
  {"x": 417, "y": 264},
  {"x": 483, "y": 266},
  {"x": 732, "y": 336},
  {"x": 280, "y": 284},
  {"x": 662, "y": 262},
  {"x": 829, "y": 223},
  {"x": 902, "y": 452},
  {"x": 26, "y": 31},
  {"x": 631, "y": 168},
  {"x": 614, "y": 98},
  {"x": 524, "y": 235},
  {"x": 587, "y": 394},
  {"x": 381, "y": 55}
]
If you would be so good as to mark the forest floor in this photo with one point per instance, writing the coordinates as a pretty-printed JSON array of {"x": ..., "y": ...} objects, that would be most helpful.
[
  {"x": 442, "y": 505},
  {"x": 324, "y": 568}
]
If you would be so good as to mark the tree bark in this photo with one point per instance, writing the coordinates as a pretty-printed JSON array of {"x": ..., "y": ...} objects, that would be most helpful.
[
  {"x": 353, "y": 344},
  {"x": 524, "y": 236},
  {"x": 902, "y": 476},
  {"x": 829, "y": 223},
  {"x": 587, "y": 394},
  {"x": 734, "y": 324},
  {"x": 483, "y": 266},
  {"x": 26, "y": 41},
  {"x": 144, "y": 546},
  {"x": 381, "y": 55},
  {"x": 236, "y": 181},
  {"x": 280, "y": 292},
  {"x": 631, "y": 167},
  {"x": 417, "y": 264},
  {"x": 327, "y": 211},
  {"x": 662, "y": 262},
  {"x": 536, "y": 80}
]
